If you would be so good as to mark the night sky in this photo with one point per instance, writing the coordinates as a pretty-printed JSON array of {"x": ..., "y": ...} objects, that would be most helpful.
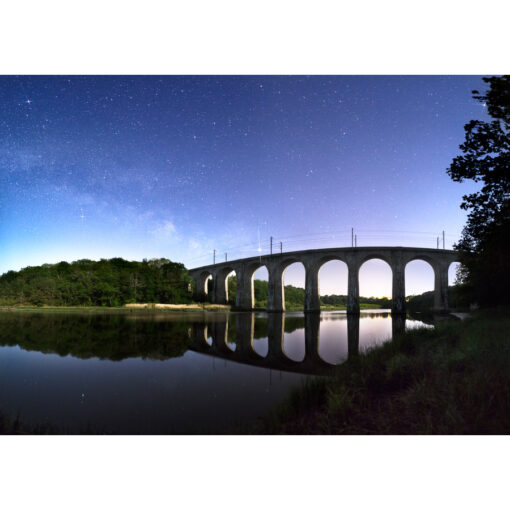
[{"x": 143, "y": 167}]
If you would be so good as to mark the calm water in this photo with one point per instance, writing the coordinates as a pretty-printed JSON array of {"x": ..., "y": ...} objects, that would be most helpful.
[{"x": 160, "y": 373}]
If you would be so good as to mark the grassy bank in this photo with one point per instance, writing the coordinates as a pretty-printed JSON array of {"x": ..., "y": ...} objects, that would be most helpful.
[
  {"x": 151, "y": 307},
  {"x": 454, "y": 379},
  {"x": 362, "y": 306},
  {"x": 139, "y": 307}
]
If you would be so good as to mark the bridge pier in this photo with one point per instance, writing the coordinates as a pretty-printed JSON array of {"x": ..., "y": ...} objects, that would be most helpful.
[
  {"x": 312, "y": 298},
  {"x": 275, "y": 300},
  {"x": 398, "y": 294},
  {"x": 220, "y": 291},
  {"x": 200, "y": 283},
  {"x": 353, "y": 288},
  {"x": 244, "y": 291},
  {"x": 441, "y": 288},
  {"x": 397, "y": 257}
]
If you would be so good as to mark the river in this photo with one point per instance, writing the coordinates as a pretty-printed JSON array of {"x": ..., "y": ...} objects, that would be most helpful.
[{"x": 170, "y": 373}]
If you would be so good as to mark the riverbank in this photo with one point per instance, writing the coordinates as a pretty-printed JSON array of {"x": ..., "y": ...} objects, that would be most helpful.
[
  {"x": 138, "y": 307},
  {"x": 454, "y": 379},
  {"x": 162, "y": 307}
]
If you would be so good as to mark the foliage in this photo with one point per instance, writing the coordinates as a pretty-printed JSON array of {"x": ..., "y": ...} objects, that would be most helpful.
[
  {"x": 111, "y": 282},
  {"x": 341, "y": 301},
  {"x": 295, "y": 297},
  {"x": 457, "y": 299},
  {"x": 485, "y": 242}
]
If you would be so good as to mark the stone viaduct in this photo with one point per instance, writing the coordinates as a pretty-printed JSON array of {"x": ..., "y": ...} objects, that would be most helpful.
[{"x": 396, "y": 257}]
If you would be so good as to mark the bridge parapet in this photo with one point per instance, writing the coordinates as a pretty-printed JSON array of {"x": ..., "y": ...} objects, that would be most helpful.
[{"x": 396, "y": 257}]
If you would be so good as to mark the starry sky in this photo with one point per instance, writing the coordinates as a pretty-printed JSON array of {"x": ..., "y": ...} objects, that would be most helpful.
[{"x": 168, "y": 166}]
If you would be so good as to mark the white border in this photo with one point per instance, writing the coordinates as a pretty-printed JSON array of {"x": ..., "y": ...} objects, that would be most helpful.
[
  {"x": 258, "y": 37},
  {"x": 263, "y": 37}
]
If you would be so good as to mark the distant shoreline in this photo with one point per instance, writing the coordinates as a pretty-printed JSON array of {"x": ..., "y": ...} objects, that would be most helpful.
[{"x": 161, "y": 307}]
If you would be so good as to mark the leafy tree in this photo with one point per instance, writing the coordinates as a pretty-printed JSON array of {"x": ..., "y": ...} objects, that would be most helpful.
[
  {"x": 111, "y": 282},
  {"x": 485, "y": 241}
]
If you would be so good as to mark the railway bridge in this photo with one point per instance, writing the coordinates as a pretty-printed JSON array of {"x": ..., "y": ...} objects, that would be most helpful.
[{"x": 397, "y": 258}]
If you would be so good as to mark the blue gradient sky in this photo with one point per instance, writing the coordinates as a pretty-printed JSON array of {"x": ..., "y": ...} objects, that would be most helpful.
[{"x": 142, "y": 167}]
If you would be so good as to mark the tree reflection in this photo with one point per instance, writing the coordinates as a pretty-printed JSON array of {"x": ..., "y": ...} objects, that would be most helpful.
[{"x": 165, "y": 336}]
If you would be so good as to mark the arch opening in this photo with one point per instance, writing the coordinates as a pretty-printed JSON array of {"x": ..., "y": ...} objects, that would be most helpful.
[
  {"x": 205, "y": 286},
  {"x": 455, "y": 298},
  {"x": 294, "y": 276},
  {"x": 230, "y": 287},
  {"x": 333, "y": 278},
  {"x": 454, "y": 274},
  {"x": 375, "y": 284},
  {"x": 419, "y": 280},
  {"x": 260, "y": 286}
]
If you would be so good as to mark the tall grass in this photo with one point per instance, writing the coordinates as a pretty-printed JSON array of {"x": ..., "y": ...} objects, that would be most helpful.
[{"x": 454, "y": 379}]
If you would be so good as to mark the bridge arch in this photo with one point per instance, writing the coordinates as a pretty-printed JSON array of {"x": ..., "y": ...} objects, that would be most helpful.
[
  {"x": 385, "y": 257},
  {"x": 245, "y": 295},
  {"x": 333, "y": 269},
  {"x": 396, "y": 257},
  {"x": 299, "y": 269},
  {"x": 411, "y": 279},
  {"x": 220, "y": 285},
  {"x": 201, "y": 281},
  {"x": 453, "y": 268},
  {"x": 453, "y": 296},
  {"x": 375, "y": 264},
  {"x": 260, "y": 290}
]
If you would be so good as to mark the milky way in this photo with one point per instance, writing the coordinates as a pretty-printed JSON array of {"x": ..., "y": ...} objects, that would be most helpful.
[{"x": 175, "y": 167}]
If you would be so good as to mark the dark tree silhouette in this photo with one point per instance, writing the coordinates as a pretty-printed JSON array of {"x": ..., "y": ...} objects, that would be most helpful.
[{"x": 485, "y": 241}]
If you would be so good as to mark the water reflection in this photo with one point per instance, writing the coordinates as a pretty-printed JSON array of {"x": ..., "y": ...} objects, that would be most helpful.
[
  {"x": 304, "y": 343},
  {"x": 328, "y": 340},
  {"x": 170, "y": 372}
]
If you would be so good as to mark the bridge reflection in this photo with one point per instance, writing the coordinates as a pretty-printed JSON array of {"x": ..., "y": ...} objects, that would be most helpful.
[{"x": 233, "y": 338}]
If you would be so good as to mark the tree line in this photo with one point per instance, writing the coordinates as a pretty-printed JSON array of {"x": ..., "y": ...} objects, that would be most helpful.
[
  {"x": 295, "y": 296},
  {"x": 485, "y": 243},
  {"x": 112, "y": 282},
  {"x": 115, "y": 282}
]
